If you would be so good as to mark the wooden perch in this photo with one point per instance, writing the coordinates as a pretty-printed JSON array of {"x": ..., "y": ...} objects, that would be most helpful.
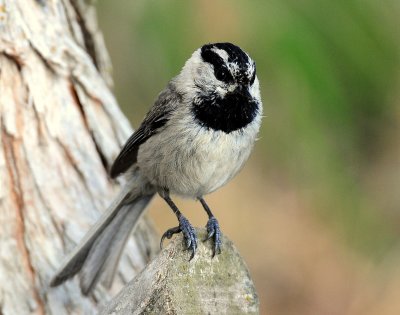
[{"x": 170, "y": 284}]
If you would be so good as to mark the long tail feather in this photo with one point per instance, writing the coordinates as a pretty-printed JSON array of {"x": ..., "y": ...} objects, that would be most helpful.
[
  {"x": 105, "y": 231},
  {"x": 105, "y": 253}
]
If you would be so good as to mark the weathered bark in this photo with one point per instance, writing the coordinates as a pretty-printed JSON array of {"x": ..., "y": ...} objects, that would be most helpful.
[
  {"x": 171, "y": 284},
  {"x": 60, "y": 128}
]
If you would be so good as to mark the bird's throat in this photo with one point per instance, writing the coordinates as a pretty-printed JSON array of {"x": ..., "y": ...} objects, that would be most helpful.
[{"x": 233, "y": 112}]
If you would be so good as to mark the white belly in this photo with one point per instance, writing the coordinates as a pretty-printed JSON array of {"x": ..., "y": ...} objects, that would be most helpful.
[{"x": 192, "y": 162}]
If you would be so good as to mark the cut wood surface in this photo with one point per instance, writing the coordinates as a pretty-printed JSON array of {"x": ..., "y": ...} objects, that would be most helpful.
[{"x": 171, "y": 284}]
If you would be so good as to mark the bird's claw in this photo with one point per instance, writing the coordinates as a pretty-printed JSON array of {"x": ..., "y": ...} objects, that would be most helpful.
[
  {"x": 214, "y": 232},
  {"x": 168, "y": 234},
  {"x": 189, "y": 235}
]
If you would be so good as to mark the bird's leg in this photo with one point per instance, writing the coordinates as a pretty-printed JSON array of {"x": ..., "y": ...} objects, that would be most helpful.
[
  {"x": 185, "y": 227},
  {"x": 213, "y": 230}
]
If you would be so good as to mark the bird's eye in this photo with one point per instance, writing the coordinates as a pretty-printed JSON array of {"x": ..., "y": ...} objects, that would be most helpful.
[
  {"x": 253, "y": 78},
  {"x": 223, "y": 74}
]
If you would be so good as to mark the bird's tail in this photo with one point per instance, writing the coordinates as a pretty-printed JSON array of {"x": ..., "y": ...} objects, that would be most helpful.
[{"x": 99, "y": 251}]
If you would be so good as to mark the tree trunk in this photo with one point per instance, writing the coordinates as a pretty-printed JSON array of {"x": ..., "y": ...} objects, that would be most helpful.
[{"x": 60, "y": 128}]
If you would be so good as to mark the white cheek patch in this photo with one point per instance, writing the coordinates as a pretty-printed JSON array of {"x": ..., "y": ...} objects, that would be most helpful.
[
  {"x": 222, "y": 53},
  {"x": 232, "y": 66},
  {"x": 220, "y": 91},
  {"x": 251, "y": 67},
  {"x": 232, "y": 87}
]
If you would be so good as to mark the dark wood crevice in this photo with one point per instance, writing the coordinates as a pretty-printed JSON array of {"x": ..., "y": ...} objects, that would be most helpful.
[
  {"x": 45, "y": 61},
  {"x": 87, "y": 126},
  {"x": 100, "y": 103},
  {"x": 87, "y": 35},
  {"x": 15, "y": 59}
]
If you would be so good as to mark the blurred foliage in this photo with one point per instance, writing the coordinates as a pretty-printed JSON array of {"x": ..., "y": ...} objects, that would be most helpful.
[{"x": 328, "y": 72}]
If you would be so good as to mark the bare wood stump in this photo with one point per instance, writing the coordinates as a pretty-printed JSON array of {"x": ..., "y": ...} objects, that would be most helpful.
[{"x": 170, "y": 284}]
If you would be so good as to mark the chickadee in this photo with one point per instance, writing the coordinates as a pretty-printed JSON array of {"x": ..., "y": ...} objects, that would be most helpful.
[{"x": 195, "y": 138}]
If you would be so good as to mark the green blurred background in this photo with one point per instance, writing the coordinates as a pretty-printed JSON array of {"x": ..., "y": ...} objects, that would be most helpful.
[{"x": 316, "y": 212}]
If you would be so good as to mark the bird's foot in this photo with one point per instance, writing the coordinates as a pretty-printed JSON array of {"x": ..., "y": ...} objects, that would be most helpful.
[
  {"x": 214, "y": 232},
  {"x": 189, "y": 235}
]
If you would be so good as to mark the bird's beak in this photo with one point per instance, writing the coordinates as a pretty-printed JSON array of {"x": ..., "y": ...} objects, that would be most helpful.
[{"x": 243, "y": 90}]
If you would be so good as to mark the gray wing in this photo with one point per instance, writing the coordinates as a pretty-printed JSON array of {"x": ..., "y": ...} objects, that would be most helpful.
[{"x": 155, "y": 119}]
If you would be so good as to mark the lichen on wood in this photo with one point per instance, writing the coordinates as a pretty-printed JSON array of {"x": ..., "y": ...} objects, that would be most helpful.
[{"x": 171, "y": 284}]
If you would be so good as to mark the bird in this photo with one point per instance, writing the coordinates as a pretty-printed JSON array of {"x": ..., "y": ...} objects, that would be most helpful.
[{"x": 195, "y": 138}]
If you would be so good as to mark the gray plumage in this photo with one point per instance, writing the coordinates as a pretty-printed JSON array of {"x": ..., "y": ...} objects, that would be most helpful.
[
  {"x": 99, "y": 251},
  {"x": 195, "y": 138}
]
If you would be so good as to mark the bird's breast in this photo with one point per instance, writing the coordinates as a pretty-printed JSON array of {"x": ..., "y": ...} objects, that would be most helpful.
[{"x": 191, "y": 160}]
